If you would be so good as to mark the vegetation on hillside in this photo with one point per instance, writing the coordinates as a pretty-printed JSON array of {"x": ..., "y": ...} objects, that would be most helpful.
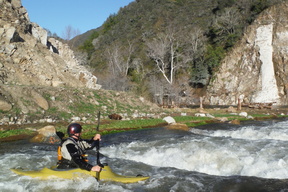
[{"x": 165, "y": 46}]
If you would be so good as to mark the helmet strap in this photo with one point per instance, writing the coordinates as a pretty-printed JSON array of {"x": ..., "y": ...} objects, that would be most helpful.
[{"x": 78, "y": 137}]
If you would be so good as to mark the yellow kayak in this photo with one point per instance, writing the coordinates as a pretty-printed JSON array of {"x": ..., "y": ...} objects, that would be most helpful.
[{"x": 106, "y": 174}]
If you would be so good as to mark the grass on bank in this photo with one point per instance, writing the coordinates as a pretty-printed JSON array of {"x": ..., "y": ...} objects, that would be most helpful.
[
  {"x": 13, "y": 132},
  {"x": 113, "y": 126}
]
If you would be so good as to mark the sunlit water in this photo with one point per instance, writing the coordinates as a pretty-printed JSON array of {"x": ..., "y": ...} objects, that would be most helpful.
[{"x": 221, "y": 157}]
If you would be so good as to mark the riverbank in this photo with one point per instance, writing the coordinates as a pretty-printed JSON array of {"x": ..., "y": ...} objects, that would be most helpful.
[{"x": 189, "y": 117}]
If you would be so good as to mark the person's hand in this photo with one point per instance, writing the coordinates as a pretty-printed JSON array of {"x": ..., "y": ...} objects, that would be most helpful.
[
  {"x": 97, "y": 137},
  {"x": 96, "y": 168}
]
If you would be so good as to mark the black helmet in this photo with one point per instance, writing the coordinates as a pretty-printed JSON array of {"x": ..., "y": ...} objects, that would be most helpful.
[{"x": 74, "y": 128}]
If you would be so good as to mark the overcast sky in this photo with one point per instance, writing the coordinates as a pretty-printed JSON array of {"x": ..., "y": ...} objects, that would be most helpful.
[{"x": 82, "y": 15}]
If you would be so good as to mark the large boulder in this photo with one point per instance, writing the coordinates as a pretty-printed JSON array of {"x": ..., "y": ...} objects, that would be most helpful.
[
  {"x": 39, "y": 33},
  {"x": 169, "y": 120},
  {"x": 41, "y": 101},
  {"x": 178, "y": 126},
  {"x": 46, "y": 134},
  {"x": 5, "y": 106},
  {"x": 115, "y": 116}
]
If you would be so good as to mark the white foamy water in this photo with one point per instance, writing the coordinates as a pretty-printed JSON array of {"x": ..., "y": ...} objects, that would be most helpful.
[
  {"x": 247, "y": 151},
  {"x": 174, "y": 160},
  {"x": 34, "y": 158},
  {"x": 276, "y": 131}
]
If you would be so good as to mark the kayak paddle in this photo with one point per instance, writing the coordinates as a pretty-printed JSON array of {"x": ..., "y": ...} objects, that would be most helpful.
[{"x": 97, "y": 149}]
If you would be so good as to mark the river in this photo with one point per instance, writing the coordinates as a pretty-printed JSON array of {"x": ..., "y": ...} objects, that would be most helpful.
[{"x": 219, "y": 158}]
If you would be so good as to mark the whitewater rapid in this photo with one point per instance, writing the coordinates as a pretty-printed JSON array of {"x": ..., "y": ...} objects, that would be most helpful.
[
  {"x": 218, "y": 158},
  {"x": 246, "y": 151}
]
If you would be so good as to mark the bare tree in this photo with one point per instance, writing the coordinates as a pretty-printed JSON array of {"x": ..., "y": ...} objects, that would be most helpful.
[
  {"x": 194, "y": 45},
  {"x": 114, "y": 59},
  {"x": 128, "y": 53},
  {"x": 164, "y": 51},
  {"x": 119, "y": 58},
  {"x": 70, "y": 32},
  {"x": 196, "y": 40},
  {"x": 139, "y": 69},
  {"x": 227, "y": 20}
]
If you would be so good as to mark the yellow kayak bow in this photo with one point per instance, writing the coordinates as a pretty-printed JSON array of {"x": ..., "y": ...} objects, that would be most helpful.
[{"x": 105, "y": 175}]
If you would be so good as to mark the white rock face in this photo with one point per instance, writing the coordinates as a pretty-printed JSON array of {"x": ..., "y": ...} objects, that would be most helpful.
[
  {"x": 269, "y": 89},
  {"x": 256, "y": 69},
  {"x": 39, "y": 33}
]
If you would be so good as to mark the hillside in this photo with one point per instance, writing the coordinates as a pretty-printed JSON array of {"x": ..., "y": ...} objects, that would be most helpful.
[
  {"x": 166, "y": 47},
  {"x": 42, "y": 80}
]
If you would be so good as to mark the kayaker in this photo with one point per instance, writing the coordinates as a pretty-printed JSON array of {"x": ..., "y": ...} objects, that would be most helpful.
[{"x": 73, "y": 150}]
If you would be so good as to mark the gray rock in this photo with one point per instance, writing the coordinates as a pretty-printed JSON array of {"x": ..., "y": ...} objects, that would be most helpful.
[
  {"x": 39, "y": 100},
  {"x": 5, "y": 106},
  {"x": 39, "y": 33},
  {"x": 169, "y": 119}
]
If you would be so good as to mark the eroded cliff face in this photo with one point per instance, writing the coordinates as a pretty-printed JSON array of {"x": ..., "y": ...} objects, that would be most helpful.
[
  {"x": 28, "y": 60},
  {"x": 256, "y": 70}
]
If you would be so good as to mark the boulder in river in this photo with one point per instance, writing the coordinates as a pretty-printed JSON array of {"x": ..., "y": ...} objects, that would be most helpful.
[{"x": 46, "y": 134}]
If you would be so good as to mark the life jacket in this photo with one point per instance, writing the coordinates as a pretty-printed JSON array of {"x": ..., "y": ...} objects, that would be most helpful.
[{"x": 60, "y": 156}]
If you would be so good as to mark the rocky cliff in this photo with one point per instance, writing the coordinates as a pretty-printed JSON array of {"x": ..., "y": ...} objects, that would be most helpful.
[
  {"x": 256, "y": 69},
  {"x": 42, "y": 81},
  {"x": 28, "y": 61}
]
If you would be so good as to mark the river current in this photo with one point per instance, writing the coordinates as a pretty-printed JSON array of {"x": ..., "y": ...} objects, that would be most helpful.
[{"x": 252, "y": 157}]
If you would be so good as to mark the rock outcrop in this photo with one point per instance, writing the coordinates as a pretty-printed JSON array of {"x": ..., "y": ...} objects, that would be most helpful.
[
  {"x": 29, "y": 59},
  {"x": 46, "y": 134},
  {"x": 256, "y": 69}
]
